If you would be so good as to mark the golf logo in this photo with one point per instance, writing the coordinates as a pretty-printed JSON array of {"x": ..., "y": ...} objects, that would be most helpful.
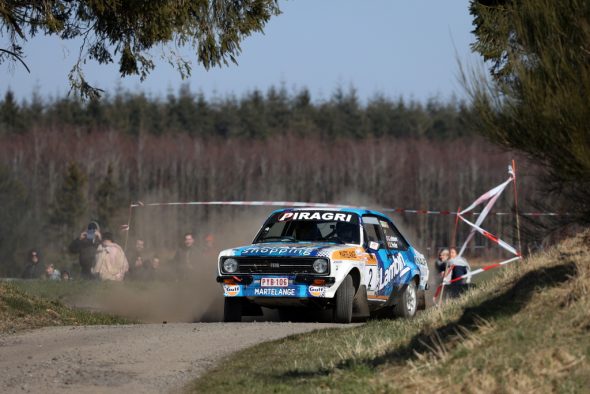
[
  {"x": 231, "y": 290},
  {"x": 317, "y": 291}
]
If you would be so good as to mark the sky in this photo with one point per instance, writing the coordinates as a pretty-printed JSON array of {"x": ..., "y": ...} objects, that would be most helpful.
[{"x": 397, "y": 48}]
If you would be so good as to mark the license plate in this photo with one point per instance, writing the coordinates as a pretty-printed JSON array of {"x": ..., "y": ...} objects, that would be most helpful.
[{"x": 274, "y": 282}]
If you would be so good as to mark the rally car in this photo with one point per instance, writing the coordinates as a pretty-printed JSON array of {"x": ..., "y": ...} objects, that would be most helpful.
[{"x": 351, "y": 261}]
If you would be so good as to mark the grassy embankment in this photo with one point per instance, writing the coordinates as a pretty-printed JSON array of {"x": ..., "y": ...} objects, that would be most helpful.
[
  {"x": 525, "y": 330},
  {"x": 19, "y": 310}
]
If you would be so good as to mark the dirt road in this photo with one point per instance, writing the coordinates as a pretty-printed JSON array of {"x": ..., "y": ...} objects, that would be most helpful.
[{"x": 150, "y": 358}]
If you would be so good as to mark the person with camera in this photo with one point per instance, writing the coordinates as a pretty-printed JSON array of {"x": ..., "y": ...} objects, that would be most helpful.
[{"x": 85, "y": 246}]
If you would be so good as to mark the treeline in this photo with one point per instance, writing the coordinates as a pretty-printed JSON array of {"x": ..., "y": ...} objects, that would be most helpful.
[
  {"x": 256, "y": 114},
  {"x": 53, "y": 181}
]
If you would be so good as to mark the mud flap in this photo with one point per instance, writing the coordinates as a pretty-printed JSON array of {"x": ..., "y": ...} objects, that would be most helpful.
[{"x": 360, "y": 305}]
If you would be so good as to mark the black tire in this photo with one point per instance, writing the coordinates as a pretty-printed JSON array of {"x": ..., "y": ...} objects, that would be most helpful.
[
  {"x": 232, "y": 309},
  {"x": 421, "y": 300},
  {"x": 408, "y": 302},
  {"x": 344, "y": 297}
]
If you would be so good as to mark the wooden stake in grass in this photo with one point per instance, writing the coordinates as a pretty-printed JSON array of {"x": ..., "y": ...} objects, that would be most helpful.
[{"x": 516, "y": 205}]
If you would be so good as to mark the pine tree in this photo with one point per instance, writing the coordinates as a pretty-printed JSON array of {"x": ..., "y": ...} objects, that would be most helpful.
[
  {"x": 13, "y": 218},
  {"x": 107, "y": 198},
  {"x": 70, "y": 202},
  {"x": 10, "y": 118}
]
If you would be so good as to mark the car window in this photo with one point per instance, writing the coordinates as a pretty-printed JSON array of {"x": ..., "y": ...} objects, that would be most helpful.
[
  {"x": 394, "y": 239},
  {"x": 372, "y": 231}
]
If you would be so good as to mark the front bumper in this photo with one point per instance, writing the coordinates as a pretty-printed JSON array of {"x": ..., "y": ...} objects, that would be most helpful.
[{"x": 300, "y": 286}]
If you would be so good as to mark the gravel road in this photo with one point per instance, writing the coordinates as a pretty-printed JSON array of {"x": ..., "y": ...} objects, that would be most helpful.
[{"x": 148, "y": 358}]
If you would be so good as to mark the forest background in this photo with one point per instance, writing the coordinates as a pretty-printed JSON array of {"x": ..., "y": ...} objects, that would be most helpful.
[{"x": 65, "y": 161}]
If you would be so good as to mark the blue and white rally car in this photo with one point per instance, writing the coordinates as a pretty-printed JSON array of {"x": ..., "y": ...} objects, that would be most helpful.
[{"x": 351, "y": 261}]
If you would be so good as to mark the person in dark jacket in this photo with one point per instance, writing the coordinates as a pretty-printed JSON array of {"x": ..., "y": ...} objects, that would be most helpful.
[
  {"x": 34, "y": 269},
  {"x": 138, "y": 261},
  {"x": 85, "y": 246},
  {"x": 186, "y": 257}
]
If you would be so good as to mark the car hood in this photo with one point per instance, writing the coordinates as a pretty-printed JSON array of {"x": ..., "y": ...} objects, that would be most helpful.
[{"x": 276, "y": 249}]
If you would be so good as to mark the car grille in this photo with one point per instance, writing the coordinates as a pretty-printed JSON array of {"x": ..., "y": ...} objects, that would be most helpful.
[{"x": 280, "y": 265}]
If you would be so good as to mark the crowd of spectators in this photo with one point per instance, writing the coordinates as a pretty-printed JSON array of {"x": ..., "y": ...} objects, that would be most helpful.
[{"x": 101, "y": 258}]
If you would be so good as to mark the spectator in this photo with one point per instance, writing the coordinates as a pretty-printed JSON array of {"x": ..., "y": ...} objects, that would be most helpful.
[
  {"x": 86, "y": 246},
  {"x": 138, "y": 262},
  {"x": 460, "y": 267},
  {"x": 34, "y": 268},
  {"x": 441, "y": 262},
  {"x": 186, "y": 256},
  {"x": 210, "y": 251},
  {"x": 51, "y": 273},
  {"x": 153, "y": 271},
  {"x": 65, "y": 275},
  {"x": 111, "y": 263}
]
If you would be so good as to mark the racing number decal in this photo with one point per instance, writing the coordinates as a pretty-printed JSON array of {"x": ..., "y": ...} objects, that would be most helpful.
[{"x": 372, "y": 279}]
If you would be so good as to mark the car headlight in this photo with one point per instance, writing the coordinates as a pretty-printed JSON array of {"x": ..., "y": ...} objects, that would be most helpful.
[
  {"x": 320, "y": 266},
  {"x": 230, "y": 265}
]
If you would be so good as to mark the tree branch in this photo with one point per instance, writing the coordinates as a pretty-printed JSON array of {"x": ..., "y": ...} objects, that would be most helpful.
[{"x": 17, "y": 57}]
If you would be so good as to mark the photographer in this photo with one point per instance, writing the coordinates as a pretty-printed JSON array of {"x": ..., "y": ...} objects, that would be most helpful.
[{"x": 86, "y": 246}]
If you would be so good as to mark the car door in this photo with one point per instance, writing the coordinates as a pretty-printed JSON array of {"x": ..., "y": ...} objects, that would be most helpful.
[
  {"x": 378, "y": 258},
  {"x": 398, "y": 257}
]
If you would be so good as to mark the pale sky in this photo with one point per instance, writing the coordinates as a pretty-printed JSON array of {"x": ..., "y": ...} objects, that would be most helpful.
[{"x": 397, "y": 48}]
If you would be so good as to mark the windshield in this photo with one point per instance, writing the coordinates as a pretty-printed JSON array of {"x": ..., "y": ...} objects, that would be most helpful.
[{"x": 311, "y": 226}]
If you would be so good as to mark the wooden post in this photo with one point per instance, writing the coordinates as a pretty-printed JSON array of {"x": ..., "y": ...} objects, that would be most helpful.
[
  {"x": 128, "y": 226},
  {"x": 516, "y": 206}
]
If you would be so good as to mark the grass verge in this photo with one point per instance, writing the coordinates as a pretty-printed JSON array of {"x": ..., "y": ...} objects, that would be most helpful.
[
  {"x": 525, "y": 330},
  {"x": 20, "y": 310}
]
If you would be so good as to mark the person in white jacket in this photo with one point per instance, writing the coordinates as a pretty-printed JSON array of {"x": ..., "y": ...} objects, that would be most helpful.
[
  {"x": 111, "y": 263},
  {"x": 460, "y": 267}
]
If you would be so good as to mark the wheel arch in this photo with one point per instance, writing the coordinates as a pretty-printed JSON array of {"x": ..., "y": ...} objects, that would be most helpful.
[{"x": 356, "y": 278}]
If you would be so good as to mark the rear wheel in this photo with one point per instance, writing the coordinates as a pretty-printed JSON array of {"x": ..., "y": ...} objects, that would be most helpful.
[
  {"x": 408, "y": 302},
  {"x": 344, "y": 296},
  {"x": 232, "y": 309}
]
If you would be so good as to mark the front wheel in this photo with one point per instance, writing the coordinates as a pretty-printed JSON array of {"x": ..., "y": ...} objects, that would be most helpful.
[
  {"x": 232, "y": 310},
  {"x": 344, "y": 297},
  {"x": 408, "y": 302}
]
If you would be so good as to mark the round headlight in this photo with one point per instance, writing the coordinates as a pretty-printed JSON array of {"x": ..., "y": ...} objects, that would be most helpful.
[
  {"x": 230, "y": 265},
  {"x": 320, "y": 266}
]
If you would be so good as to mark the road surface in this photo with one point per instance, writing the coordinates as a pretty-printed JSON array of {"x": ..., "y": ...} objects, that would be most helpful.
[{"x": 145, "y": 358}]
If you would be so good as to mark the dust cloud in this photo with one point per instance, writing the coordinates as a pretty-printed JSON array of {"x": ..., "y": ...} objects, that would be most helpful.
[{"x": 193, "y": 296}]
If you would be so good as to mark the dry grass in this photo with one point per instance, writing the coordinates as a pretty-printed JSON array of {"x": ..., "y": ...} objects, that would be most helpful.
[
  {"x": 21, "y": 311},
  {"x": 525, "y": 330}
]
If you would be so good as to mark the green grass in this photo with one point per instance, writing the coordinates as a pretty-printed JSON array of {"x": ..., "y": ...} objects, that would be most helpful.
[
  {"x": 19, "y": 310},
  {"x": 527, "y": 329}
]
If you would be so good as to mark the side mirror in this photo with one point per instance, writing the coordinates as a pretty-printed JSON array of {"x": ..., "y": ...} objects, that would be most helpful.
[{"x": 373, "y": 246}]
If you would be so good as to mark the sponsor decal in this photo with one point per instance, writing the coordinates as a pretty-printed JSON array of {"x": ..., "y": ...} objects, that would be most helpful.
[
  {"x": 284, "y": 250},
  {"x": 392, "y": 242},
  {"x": 386, "y": 276},
  {"x": 317, "y": 291},
  {"x": 231, "y": 290},
  {"x": 274, "y": 292},
  {"x": 304, "y": 215},
  {"x": 346, "y": 254}
]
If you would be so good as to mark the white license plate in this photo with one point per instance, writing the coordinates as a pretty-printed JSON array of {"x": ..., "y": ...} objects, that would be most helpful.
[{"x": 274, "y": 282}]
